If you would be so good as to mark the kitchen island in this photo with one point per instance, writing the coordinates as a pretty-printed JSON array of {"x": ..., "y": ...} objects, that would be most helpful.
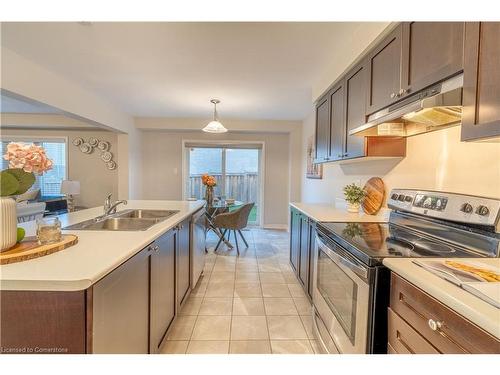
[{"x": 113, "y": 292}]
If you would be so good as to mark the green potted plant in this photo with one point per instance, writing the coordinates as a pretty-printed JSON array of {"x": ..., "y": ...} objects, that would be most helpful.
[
  {"x": 25, "y": 160},
  {"x": 354, "y": 196}
]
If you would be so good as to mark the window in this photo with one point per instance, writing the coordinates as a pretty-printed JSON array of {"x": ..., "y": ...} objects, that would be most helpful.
[{"x": 50, "y": 182}]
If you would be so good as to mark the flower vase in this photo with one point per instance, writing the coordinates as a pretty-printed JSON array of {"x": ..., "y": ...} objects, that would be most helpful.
[
  {"x": 8, "y": 223},
  {"x": 353, "y": 207},
  {"x": 209, "y": 195}
]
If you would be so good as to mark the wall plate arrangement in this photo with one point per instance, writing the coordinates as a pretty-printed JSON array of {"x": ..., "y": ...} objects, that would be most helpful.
[{"x": 87, "y": 147}]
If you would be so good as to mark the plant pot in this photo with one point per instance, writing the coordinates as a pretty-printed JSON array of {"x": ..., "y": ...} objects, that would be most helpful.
[
  {"x": 8, "y": 223},
  {"x": 353, "y": 207}
]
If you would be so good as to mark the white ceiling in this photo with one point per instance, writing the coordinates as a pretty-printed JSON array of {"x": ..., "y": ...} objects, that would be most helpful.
[{"x": 258, "y": 70}]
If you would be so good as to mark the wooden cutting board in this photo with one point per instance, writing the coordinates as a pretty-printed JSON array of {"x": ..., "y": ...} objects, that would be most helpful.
[
  {"x": 375, "y": 192},
  {"x": 30, "y": 249}
]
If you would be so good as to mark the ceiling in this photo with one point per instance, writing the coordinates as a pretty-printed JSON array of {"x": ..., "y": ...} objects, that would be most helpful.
[{"x": 258, "y": 70}]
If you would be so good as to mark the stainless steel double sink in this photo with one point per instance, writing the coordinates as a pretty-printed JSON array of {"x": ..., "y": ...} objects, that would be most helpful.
[{"x": 127, "y": 220}]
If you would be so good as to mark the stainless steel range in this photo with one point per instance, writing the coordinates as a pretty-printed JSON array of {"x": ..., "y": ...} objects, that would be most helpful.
[{"x": 351, "y": 286}]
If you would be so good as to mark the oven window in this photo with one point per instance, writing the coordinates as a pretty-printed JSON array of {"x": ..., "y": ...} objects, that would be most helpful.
[{"x": 339, "y": 291}]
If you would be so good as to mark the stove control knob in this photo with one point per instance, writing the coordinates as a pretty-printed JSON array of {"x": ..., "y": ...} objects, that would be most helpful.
[
  {"x": 394, "y": 197},
  {"x": 467, "y": 208},
  {"x": 401, "y": 198},
  {"x": 482, "y": 211},
  {"x": 408, "y": 198}
]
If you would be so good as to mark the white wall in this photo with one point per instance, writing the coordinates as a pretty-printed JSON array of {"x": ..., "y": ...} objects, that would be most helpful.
[
  {"x": 434, "y": 161},
  {"x": 96, "y": 181},
  {"x": 162, "y": 167}
]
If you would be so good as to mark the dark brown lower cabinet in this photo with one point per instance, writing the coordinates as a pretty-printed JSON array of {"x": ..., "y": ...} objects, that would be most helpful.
[
  {"x": 128, "y": 311},
  {"x": 183, "y": 263},
  {"x": 302, "y": 234},
  {"x": 420, "y": 324},
  {"x": 162, "y": 311}
]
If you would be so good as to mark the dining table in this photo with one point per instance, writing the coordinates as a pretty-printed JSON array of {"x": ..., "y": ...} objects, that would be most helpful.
[{"x": 215, "y": 209}]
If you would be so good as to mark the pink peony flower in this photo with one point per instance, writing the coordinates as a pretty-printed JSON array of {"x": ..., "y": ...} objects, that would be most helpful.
[{"x": 28, "y": 157}]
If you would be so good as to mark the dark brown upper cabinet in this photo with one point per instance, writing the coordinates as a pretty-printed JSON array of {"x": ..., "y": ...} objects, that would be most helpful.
[
  {"x": 323, "y": 130},
  {"x": 384, "y": 78},
  {"x": 481, "y": 96},
  {"x": 432, "y": 51},
  {"x": 337, "y": 122},
  {"x": 355, "y": 108}
]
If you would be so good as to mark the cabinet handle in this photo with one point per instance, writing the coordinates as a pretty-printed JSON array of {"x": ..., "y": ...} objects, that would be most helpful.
[
  {"x": 393, "y": 95},
  {"x": 156, "y": 248},
  {"x": 345, "y": 155},
  {"x": 434, "y": 325}
]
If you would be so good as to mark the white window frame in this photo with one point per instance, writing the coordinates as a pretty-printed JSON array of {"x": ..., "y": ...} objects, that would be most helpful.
[{"x": 225, "y": 143}]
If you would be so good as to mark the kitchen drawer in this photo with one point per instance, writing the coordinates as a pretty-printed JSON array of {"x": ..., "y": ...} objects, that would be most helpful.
[
  {"x": 446, "y": 330},
  {"x": 403, "y": 339}
]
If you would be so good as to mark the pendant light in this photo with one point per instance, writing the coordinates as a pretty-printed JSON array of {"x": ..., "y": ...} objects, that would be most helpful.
[{"x": 215, "y": 126}]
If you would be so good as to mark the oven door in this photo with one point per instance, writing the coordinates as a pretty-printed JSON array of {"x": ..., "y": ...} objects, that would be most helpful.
[{"x": 341, "y": 298}]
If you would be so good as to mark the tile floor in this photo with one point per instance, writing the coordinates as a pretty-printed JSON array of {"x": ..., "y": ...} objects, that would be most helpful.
[{"x": 251, "y": 304}]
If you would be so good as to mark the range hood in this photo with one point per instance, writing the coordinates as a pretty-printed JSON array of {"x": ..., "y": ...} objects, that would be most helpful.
[{"x": 436, "y": 107}]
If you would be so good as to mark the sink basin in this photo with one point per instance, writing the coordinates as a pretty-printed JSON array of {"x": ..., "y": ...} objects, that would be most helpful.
[
  {"x": 121, "y": 224},
  {"x": 147, "y": 214},
  {"x": 128, "y": 220}
]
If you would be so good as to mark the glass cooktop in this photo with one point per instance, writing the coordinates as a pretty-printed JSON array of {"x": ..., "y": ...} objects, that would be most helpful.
[{"x": 371, "y": 242}]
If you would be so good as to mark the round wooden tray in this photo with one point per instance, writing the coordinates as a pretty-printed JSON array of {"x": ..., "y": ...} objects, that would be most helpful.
[
  {"x": 30, "y": 249},
  {"x": 375, "y": 192}
]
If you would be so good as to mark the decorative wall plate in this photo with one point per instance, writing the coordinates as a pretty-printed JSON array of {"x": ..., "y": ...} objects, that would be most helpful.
[
  {"x": 86, "y": 148},
  {"x": 103, "y": 145},
  {"x": 93, "y": 141},
  {"x": 77, "y": 141},
  {"x": 111, "y": 165},
  {"x": 106, "y": 156}
]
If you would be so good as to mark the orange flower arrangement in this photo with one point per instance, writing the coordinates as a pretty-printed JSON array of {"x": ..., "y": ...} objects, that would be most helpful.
[{"x": 208, "y": 180}]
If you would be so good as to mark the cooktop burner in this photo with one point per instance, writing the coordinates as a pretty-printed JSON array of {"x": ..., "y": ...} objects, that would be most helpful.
[{"x": 374, "y": 241}]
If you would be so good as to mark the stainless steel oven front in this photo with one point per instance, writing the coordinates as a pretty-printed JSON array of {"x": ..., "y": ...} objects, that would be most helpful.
[{"x": 341, "y": 298}]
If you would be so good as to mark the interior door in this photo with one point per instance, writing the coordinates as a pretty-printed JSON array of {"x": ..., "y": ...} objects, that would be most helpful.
[
  {"x": 384, "y": 78},
  {"x": 432, "y": 51}
]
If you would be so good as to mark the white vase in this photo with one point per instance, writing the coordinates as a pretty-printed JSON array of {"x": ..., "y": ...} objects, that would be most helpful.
[
  {"x": 8, "y": 223},
  {"x": 353, "y": 207}
]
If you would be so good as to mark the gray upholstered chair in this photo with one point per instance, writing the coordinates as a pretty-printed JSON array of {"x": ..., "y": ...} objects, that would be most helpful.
[{"x": 233, "y": 221}]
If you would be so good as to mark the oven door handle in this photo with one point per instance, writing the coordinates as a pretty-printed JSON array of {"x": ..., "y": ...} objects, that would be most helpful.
[{"x": 359, "y": 270}]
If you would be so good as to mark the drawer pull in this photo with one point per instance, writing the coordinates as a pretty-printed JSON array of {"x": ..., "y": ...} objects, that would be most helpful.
[{"x": 435, "y": 326}]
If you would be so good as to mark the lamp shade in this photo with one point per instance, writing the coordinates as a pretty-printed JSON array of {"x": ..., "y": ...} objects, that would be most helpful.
[
  {"x": 214, "y": 127},
  {"x": 70, "y": 187}
]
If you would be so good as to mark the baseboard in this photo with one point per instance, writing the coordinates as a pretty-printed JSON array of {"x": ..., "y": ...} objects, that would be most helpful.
[{"x": 276, "y": 226}]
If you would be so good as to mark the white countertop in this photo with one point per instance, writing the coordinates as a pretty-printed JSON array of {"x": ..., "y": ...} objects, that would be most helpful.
[
  {"x": 466, "y": 304},
  {"x": 95, "y": 255},
  {"x": 338, "y": 213}
]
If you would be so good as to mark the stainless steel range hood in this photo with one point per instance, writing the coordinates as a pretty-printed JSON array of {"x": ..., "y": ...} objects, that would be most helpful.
[{"x": 434, "y": 108}]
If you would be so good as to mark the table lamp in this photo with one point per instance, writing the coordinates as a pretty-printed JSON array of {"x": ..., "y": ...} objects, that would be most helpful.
[{"x": 70, "y": 188}]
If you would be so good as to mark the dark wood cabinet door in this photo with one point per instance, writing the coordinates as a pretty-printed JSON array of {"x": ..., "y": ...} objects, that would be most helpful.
[
  {"x": 312, "y": 249},
  {"x": 432, "y": 52},
  {"x": 337, "y": 125},
  {"x": 294, "y": 239},
  {"x": 384, "y": 78},
  {"x": 323, "y": 130},
  {"x": 162, "y": 287},
  {"x": 355, "y": 109},
  {"x": 183, "y": 265},
  {"x": 481, "y": 97},
  {"x": 304, "y": 251}
]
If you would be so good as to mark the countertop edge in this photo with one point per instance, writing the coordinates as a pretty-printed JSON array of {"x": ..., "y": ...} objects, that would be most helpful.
[
  {"x": 338, "y": 214},
  {"x": 453, "y": 297},
  {"x": 83, "y": 284}
]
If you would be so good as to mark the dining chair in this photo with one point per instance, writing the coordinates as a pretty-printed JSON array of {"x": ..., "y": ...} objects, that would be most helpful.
[{"x": 233, "y": 221}]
